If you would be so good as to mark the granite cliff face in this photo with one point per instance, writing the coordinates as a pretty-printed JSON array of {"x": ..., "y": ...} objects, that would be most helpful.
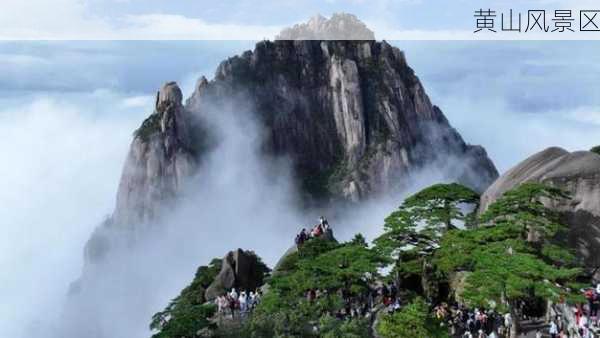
[
  {"x": 352, "y": 116},
  {"x": 577, "y": 173}
]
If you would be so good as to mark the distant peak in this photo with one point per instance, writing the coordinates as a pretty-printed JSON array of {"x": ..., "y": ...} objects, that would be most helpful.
[{"x": 340, "y": 26}]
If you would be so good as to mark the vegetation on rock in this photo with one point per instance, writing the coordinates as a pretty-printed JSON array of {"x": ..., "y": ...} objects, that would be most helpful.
[
  {"x": 340, "y": 271},
  {"x": 150, "y": 126},
  {"x": 414, "y": 320},
  {"x": 188, "y": 313}
]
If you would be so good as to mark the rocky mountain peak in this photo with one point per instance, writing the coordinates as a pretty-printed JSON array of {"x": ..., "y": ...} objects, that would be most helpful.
[
  {"x": 351, "y": 115},
  {"x": 340, "y": 26}
]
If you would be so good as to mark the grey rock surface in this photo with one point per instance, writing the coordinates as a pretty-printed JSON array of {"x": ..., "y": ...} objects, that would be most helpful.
[
  {"x": 159, "y": 160},
  {"x": 578, "y": 173},
  {"x": 241, "y": 270},
  {"x": 351, "y": 115}
]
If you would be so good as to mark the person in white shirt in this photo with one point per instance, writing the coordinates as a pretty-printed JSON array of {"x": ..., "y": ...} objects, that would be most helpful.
[
  {"x": 553, "y": 330},
  {"x": 242, "y": 301},
  {"x": 507, "y": 322}
]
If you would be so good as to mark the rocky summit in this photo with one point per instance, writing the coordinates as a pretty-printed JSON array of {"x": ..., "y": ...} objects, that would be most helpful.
[{"x": 352, "y": 116}]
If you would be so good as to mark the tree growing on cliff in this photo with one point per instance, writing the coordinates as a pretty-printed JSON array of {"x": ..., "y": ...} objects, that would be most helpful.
[
  {"x": 412, "y": 233},
  {"x": 423, "y": 217},
  {"x": 512, "y": 255}
]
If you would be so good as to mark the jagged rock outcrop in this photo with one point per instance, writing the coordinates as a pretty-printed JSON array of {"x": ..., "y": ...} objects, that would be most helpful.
[
  {"x": 159, "y": 159},
  {"x": 577, "y": 173},
  {"x": 240, "y": 269},
  {"x": 161, "y": 156},
  {"x": 341, "y": 26},
  {"x": 351, "y": 115}
]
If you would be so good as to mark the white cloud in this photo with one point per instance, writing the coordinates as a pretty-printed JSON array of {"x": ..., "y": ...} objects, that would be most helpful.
[
  {"x": 163, "y": 26},
  {"x": 72, "y": 20},
  {"x": 141, "y": 101}
]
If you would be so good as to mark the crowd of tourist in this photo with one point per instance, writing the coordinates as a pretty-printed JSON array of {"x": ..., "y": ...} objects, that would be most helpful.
[
  {"x": 480, "y": 323},
  {"x": 232, "y": 302},
  {"x": 458, "y": 319},
  {"x": 321, "y": 228},
  {"x": 473, "y": 323},
  {"x": 587, "y": 320}
]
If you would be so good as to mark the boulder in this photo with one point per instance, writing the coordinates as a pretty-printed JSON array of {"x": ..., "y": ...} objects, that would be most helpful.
[{"x": 242, "y": 270}]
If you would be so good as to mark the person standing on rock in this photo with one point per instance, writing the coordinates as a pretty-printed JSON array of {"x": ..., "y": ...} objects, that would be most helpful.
[
  {"x": 324, "y": 223},
  {"x": 508, "y": 322},
  {"x": 257, "y": 296},
  {"x": 230, "y": 304},
  {"x": 251, "y": 299},
  {"x": 222, "y": 304},
  {"x": 553, "y": 330},
  {"x": 243, "y": 302},
  {"x": 302, "y": 237}
]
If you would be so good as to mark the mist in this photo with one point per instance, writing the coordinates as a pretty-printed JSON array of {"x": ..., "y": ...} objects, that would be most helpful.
[
  {"x": 238, "y": 199},
  {"x": 53, "y": 191}
]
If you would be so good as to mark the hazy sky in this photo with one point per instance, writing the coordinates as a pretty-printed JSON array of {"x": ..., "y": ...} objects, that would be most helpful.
[{"x": 250, "y": 19}]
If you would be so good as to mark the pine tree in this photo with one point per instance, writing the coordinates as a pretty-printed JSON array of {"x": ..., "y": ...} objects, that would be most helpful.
[
  {"x": 512, "y": 255},
  {"x": 412, "y": 233}
]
